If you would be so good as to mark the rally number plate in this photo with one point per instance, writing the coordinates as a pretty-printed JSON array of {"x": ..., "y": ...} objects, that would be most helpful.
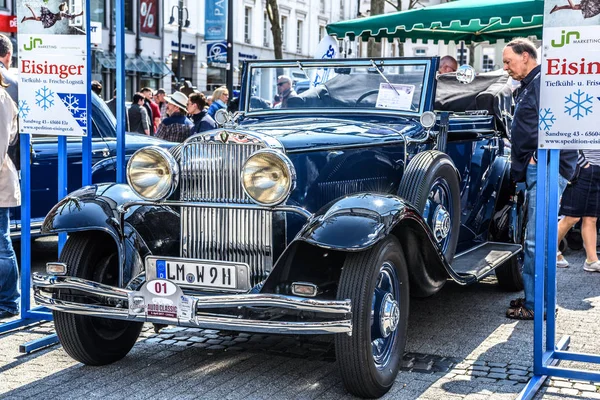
[{"x": 205, "y": 274}]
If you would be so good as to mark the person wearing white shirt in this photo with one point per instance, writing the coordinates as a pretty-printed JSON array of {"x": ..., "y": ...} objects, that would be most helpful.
[{"x": 10, "y": 196}]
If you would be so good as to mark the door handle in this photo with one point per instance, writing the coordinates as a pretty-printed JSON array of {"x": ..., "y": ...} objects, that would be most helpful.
[
  {"x": 489, "y": 148},
  {"x": 105, "y": 152}
]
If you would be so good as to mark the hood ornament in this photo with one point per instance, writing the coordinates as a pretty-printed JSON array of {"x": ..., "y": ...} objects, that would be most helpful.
[{"x": 226, "y": 119}]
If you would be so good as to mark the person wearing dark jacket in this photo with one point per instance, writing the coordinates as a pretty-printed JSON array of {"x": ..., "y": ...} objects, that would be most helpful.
[
  {"x": 520, "y": 61},
  {"x": 138, "y": 116},
  {"x": 196, "y": 109},
  {"x": 112, "y": 106}
]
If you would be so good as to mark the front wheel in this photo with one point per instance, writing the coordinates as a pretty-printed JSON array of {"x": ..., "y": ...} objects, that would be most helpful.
[
  {"x": 93, "y": 340},
  {"x": 376, "y": 282}
]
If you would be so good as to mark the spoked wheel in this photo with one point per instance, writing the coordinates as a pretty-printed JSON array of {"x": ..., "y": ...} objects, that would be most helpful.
[
  {"x": 376, "y": 282},
  {"x": 93, "y": 340},
  {"x": 430, "y": 183}
]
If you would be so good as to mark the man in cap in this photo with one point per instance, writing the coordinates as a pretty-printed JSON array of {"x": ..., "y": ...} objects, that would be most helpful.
[{"x": 176, "y": 127}]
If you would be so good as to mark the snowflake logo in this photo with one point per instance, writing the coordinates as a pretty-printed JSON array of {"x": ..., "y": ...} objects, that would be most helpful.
[
  {"x": 44, "y": 98},
  {"x": 547, "y": 119},
  {"x": 578, "y": 103},
  {"x": 23, "y": 109},
  {"x": 81, "y": 119},
  {"x": 72, "y": 103}
]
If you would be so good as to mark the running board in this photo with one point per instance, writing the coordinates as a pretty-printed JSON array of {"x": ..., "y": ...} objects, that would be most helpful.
[{"x": 483, "y": 259}]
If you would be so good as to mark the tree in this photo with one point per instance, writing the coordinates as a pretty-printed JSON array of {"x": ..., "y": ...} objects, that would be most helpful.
[
  {"x": 377, "y": 7},
  {"x": 273, "y": 15}
]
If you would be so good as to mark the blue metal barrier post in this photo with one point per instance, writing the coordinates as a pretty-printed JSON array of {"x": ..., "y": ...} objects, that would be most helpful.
[
  {"x": 546, "y": 358},
  {"x": 29, "y": 316}
]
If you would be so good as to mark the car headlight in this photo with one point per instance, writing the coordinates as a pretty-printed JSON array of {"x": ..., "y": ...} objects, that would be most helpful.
[
  {"x": 268, "y": 177},
  {"x": 153, "y": 173}
]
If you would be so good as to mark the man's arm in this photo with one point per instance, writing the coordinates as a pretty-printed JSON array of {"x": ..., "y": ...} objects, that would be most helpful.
[{"x": 145, "y": 123}]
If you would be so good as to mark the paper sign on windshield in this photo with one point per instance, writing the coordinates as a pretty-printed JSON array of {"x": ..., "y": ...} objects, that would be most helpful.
[{"x": 399, "y": 99}]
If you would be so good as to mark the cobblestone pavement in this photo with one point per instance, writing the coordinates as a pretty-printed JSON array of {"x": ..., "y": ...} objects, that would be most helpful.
[{"x": 460, "y": 347}]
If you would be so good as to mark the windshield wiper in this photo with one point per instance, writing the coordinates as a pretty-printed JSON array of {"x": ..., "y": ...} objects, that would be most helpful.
[
  {"x": 303, "y": 71},
  {"x": 383, "y": 76}
]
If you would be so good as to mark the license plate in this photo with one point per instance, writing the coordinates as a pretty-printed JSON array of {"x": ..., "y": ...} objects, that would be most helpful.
[{"x": 199, "y": 273}]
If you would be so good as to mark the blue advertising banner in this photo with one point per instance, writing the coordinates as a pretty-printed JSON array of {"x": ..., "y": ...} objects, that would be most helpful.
[{"x": 216, "y": 18}]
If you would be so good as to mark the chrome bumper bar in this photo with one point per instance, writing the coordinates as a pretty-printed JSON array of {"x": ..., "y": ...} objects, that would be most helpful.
[{"x": 339, "y": 309}]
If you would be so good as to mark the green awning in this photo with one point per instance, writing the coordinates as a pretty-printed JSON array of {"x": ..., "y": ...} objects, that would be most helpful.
[{"x": 462, "y": 20}]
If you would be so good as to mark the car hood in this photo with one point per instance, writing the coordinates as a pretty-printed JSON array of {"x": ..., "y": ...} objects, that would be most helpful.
[
  {"x": 314, "y": 133},
  {"x": 137, "y": 140}
]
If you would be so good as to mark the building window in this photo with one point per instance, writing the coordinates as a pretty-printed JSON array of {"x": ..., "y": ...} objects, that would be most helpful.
[
  {"x": 97, "y": 9},
  {"x": 266, "y": 34},
  {"x": 284, "y": 21},
  {"x": 248, "y": 25},
  {"x": 322, "y": 32},
  {"x": 300, "y": 27},
  {"x": 3, "y": 4},
  {"x": 420, "y": 52},
  {"x": 128, "y": 15},
  {"x": 462, "y": 57},
  {"x": 488, "y": 63},
  {"x": 322, "y": 6}
]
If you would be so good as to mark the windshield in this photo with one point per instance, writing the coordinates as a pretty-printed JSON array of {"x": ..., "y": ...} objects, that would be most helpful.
[{"x": 340, "y": 86}]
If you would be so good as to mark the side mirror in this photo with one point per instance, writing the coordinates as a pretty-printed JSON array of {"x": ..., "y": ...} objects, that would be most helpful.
[{"x": 465, "y": 74}]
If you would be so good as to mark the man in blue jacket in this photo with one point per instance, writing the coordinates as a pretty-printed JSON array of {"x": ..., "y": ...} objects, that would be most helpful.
[{"x": 520, "y": 61}]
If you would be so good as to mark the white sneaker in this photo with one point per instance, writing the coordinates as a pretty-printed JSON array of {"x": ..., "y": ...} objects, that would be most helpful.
[
  {"x": 591, "y": 267},
  {"x": 561, "y": 263}
]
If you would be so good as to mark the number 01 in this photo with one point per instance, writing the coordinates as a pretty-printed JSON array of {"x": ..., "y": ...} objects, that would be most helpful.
[{"x": 160, "y": 287}]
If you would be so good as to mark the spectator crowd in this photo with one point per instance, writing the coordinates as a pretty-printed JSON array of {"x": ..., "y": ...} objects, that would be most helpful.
[{"x": 170, "y": 117}]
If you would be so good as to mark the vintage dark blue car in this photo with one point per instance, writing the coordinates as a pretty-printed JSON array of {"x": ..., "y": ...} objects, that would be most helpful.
[
  {"x": 322, "y": 216},
  {"x": 44, "y": 163}
]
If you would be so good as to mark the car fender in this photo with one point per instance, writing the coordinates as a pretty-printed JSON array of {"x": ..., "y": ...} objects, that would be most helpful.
[
  {"x": 96, "y": 208},
  {"x": 357, "y": 222}
]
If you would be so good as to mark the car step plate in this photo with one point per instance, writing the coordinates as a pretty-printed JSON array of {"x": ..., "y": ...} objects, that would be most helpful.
[{"x": 484, "y": 258}]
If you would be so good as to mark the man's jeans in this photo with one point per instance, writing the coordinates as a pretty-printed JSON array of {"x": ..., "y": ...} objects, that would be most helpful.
[
  {"x": 9, "y": 273},
  {"x": 529, "y": 251}
]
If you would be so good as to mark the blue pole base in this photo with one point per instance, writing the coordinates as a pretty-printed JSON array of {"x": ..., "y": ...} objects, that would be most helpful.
[
  {"x": 16, "y": 324},
  {"x": 38, "y": 344},
  {"x": 536, "y": 382}
]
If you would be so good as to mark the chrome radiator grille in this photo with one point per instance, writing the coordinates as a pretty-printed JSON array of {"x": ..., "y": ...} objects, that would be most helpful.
[{"x": 210, "y": 172}]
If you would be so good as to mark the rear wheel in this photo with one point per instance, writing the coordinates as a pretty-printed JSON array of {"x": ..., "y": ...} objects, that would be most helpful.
[
  {"x": 376, "y": 282},
  {"x": 93, "y": 340}
]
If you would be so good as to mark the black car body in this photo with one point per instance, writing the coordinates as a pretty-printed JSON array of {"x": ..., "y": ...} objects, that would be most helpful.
[{"x": 319, "y": 218}]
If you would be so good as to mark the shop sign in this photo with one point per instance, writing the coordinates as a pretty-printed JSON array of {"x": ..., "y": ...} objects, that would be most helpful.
[
  {"x": 247, "y": 56},
  {"x": 184, "y": 46},
  {"x": 570, "y": 79},
  {"x": 53, "y": 75},
  {"x": 149, "y": 16},
  {"x": 216, "y": 54},
  {"x": 215, "y": 19},
  {"x": 96, "y": 33},
  {"x": 8, "y": 23}
]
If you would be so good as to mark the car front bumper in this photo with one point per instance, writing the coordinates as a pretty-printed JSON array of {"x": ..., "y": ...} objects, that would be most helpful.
[{"x": 334, "y": 316}]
